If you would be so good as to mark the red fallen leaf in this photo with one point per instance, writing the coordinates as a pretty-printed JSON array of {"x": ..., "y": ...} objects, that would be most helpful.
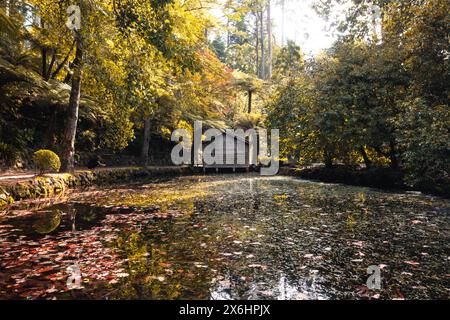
[
  {"x": 51, "y": 290},
  {"x": 400, "y": 295},
  {"x": 45, "y": 269},
  {"x": 412, "y": 263},
  {"x": 180, "y": 270},
  {"x": 165, "y": 264},
  {"x": 56, "y": 277},
  {"x": 362, "y": 291}
]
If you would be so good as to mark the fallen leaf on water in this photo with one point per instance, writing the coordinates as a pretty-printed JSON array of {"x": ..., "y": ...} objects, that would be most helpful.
[
  {"x": 257, "y": 266},
  {"x": 412, "y": 263},
  {"x": 122, "y": 274},
  {"x": 52, "y": 290},
  {"x": 359, "y": 244},
  {"x": 400, "y": 295}
]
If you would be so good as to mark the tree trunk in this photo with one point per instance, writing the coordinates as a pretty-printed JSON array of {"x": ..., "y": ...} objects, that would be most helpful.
[
  {"x": 7, "y": 5},
  {"x": 257, "y": 44},
  {"x": 249, "y": 101},
  {"x": 50, "y": 66},
  {"x": 68, "y": 151},
  {"x": 282, "y": 21},
  {"x": 43, "y": 56},
  {"x": 44, "y": 62},
  {"x": 261, "y": 30},
  {"x": 367, "y": 161},
  {"x": 269, "y": 42},
  {"x": 63, "y": 63},
  {"x": 393, "y": 155},
  {"x": 374, "y": 28},
  {"x": 146, "y": 142},
  {"x": 228, "y": 33},
  {"x": 328, "y": 160}
]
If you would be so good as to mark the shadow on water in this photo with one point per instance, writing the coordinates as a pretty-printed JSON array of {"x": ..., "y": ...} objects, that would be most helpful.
[{"x": 230, "y": 237}]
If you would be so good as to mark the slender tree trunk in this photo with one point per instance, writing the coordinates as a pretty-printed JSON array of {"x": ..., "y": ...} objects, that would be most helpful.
[
  {"x": 146, "y": 142},
  {"x": 68, "y": 76},
  {"x": 374, "y": 29},
  {"x": 44, "y": 62},
  {"x": 43, "y": 55},
  {"x": 228, "y": 33},
  {"x": 328, "y": 160},
  {"x": 249, "y": 101},
  {"x": 393, "y": 155},
  {"x": 68, "y": 151},
  {"x": 257, "y": 44},
  {"x": 367, "y": 161},
  {"x": 62, "y": 64},
  {"x": 7, "y": 7},
  {"x": 50, "y": 66},
  {"x": 269, "y": 42},
  {"x": 261, "y": 30},
  {"x": 282, "y": 21}
]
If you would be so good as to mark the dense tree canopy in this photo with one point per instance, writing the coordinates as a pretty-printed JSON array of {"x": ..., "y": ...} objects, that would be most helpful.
[
  {"x": 375, "y": 101},
  {"x": 137, "y": 69}
]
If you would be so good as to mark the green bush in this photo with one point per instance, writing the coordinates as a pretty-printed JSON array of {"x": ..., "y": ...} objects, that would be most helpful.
[{"x": 46, "y": 161}]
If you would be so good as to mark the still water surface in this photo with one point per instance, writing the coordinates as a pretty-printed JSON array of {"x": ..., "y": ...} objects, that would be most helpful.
[{"x": 228, "y": 237}]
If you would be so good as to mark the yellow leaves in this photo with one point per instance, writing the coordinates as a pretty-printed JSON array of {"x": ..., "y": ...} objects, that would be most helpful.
[
  {"x": 110, "y": 43},
  {"x": 189, "y": 21},
  {"x": 236, "y": 16},
  {"x": 166, "y": 131},
  {"x": 185, "y": 125}
]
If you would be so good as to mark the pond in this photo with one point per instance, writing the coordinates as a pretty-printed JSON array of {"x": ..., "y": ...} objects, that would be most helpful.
[{"x": 237, "y": 236}]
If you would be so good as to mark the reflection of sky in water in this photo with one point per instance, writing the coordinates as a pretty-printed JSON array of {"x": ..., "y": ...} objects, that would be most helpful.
[{"x": 280, "y": 289}]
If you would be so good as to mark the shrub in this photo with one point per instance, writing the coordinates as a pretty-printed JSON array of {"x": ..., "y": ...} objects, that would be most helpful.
[{"x": 46, "y": 160}]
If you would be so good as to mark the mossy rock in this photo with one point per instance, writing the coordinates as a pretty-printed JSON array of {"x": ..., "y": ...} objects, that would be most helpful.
[
  {"x": 21, "y": 191},
  {"x": 6, "y": 200},
  {"x": 58, "y": 187}
]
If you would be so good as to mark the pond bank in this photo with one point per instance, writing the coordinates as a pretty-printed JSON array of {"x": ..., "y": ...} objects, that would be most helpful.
[
  {"x": 49, "y": 185},
  {"x": 382, "y": 178}
]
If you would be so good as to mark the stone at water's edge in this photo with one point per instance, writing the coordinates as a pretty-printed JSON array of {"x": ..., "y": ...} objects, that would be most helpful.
[
  {"x": 47, "y": 186},
  {"x": 5, "y": 198}
]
